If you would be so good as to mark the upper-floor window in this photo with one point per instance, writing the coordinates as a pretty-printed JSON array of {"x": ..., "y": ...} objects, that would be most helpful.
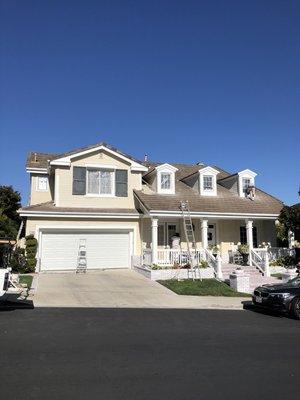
[
  {"x": 208, "y": 182},
  {"x": 42, "y": 184},
  {"x": 165, "y": 181},
  {"x": 246, "y": 182},
  {"x": 100, "y": 182}
]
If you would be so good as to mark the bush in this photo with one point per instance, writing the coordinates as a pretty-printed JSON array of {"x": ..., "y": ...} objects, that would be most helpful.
[
  {"x": 203, "y": 264},
  {"x": 18, "y": 261},
  {"x": 284, "y": 261},
  {"x": 31, "y": 249}
]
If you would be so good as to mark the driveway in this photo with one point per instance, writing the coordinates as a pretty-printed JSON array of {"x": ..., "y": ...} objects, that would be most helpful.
[{"x": 117, "y": 288}]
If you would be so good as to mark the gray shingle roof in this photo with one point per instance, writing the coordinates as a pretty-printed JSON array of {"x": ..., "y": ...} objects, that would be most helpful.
[
  {"x": 50, "y": 207},
  {"x": 225, "y": 201},
  {"x": 40, "y": 160}
]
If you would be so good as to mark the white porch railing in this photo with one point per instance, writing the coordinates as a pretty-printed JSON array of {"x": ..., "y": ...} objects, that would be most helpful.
[
  {"x": 276, "y": 252},
  {"x": 215, "y": 263},
  {"x": 169, "y": 257},
  {"x": 260, "y": 259}
]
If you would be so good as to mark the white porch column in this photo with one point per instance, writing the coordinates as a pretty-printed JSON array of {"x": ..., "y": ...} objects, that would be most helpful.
[
  {"x": 154, "y": 232},
  {"x": 249, "y": 232},
  {"x": 204, "y": 230}
]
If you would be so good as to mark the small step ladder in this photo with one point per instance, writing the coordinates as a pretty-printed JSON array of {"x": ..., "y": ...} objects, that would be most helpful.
[
  {"x": 190, "y": 237},
  {"x": 81, "y": 259}
]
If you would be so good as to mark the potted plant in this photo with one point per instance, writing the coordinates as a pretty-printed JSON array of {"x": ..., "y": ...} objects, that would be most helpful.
[
  {"x": 243, "y": 249},
  {"x": 203, "y": 264},
  {"x": 214, "y": 248}
]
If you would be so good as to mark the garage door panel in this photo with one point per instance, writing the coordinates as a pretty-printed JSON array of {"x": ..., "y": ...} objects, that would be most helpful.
[{"x": 105, "y": 249}]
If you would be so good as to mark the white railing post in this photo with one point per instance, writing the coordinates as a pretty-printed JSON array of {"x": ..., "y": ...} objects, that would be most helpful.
[
  {"x": 219, "y": 266},
  {"x": 266, "y": 264}
]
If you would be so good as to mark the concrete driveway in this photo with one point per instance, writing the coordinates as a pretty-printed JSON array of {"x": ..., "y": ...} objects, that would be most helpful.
[{"x": 117, "y": 288}]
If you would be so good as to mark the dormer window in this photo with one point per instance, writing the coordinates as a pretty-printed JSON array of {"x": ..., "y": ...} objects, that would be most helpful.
[
  {"x": 166, "y": 179},
  {"x": 246, "y": 181},
  {"x": 208, "y": 181}
]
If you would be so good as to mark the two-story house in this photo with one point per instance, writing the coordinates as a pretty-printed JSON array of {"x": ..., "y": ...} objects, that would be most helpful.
[{"x": 122, "y": 207}]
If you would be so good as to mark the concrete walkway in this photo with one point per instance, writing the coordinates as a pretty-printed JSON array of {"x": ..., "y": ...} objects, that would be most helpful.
[{"x": 118, "y": 289}]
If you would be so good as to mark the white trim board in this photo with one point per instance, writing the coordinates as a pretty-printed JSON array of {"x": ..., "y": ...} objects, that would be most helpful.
[{"x": 135, "y": 166}]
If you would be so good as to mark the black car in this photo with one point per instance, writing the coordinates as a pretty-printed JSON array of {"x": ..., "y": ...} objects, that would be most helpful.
[{"x": 281, "y": 297}]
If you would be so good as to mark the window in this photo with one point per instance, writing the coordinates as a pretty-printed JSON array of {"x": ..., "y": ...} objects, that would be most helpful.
[
  {"x": 246, "y": 183},
  {"x": 165, "y": 181},
  {"x": 243, "y": 236},
  {"x": 42, "y": 183},
  {"x": 207, "y": 182},
  {"x": 165, "y": 232},
  {"x": 100, "y": 182}
]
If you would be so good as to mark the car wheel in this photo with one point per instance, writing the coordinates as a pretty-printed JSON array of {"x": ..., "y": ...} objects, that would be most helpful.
[{"x": 296, "y": 308}]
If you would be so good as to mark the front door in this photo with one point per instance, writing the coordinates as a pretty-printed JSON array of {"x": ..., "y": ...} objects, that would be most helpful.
[{"x": 211, "y": 234}]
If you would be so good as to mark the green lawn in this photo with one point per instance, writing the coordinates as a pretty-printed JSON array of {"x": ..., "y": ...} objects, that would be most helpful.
[
  {"x": 26, "y": 279},
  {"x": 206, "y": 287}
]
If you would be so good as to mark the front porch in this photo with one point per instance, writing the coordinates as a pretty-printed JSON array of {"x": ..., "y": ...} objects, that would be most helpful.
[{"x": 216, "y": 239}]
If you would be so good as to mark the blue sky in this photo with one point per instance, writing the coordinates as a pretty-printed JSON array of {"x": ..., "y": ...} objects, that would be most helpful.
[{"x": 186, "y": 81}]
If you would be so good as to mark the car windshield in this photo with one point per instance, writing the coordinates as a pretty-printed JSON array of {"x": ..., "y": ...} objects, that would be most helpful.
[{"x": 295, "y": 281}]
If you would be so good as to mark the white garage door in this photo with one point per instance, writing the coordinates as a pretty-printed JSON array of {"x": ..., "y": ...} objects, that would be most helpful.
[{"x": 105, "y": 249}]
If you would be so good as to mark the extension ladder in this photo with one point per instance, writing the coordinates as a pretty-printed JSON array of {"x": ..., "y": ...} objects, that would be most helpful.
[
  {"x": 190, "y": 237},
  {"x": 81, "y": 259}
]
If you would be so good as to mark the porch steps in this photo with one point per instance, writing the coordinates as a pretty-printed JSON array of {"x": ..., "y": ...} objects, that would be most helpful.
[{"x": 256, "y": 277}]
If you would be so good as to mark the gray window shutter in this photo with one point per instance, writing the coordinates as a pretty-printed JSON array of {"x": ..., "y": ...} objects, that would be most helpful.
[
  {"x": 121, "y": 182},
  {"x": 79, "y": 180}
]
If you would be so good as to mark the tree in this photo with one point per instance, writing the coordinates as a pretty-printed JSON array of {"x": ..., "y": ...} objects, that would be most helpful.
[
  {"x": 289, "y": 220},
  {"x": 10, "y": 202}
]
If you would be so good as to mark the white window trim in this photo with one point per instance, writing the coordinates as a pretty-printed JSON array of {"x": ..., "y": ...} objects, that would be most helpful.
[
  {"x": 165, "y": 169},
  {"x": 248, "y": 174},
  {"x": 113, "y": 189},
  {"x": 208, "y": 171},
  {"x": 37, "y": 183}
]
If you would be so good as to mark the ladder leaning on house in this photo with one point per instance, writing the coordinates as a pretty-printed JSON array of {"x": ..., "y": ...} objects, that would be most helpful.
[
  {"x": 190, "y": 237},
  {"x": 81, "y": 259}
]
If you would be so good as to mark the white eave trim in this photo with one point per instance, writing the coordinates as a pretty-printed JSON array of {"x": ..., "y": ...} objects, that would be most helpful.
[
  {"x": 166, "y": 168},
  {"x": 37, "y": 171},
  {"x": 66, "y": 161},
  {"x": 71, "y": 214},
  {"x": 160, "y": 213}
]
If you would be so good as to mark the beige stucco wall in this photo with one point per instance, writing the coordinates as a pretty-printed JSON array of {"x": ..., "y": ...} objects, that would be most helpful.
[
  {"x": 34, "y": 224},
  {"x": 36, "y": 196},
  {"x": 63, "y": 176}
]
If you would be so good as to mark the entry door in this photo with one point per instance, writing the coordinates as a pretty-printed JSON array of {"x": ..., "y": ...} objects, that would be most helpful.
[{"x": 211, "y": 234}]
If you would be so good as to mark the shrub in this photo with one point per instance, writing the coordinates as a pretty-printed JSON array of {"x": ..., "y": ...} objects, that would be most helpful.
[
  {"x": 18, "y": 261},
  {"x": 203, "y": 264},
  {"x": 284, "y": 261},
  {"x": 31, "y": 249},
  {"x": 243, "y": 249}
]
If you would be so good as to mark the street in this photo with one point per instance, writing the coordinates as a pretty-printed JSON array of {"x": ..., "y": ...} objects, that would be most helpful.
[{"x": 72, "y": 353}]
